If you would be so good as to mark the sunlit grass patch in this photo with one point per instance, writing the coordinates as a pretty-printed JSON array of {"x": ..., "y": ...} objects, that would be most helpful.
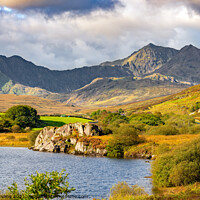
[
  {"x": 14, "y": 139},
  {"x": 170, "y": 139},
  {"x": 60, "y": 121}
]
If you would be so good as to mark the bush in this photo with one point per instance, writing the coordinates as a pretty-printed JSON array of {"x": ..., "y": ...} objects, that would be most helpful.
[
  {"x": 126, "y": 135},
  {"x": 195, "y": 107},
  {"x": 111, "y": 117},
  {"x": 22, "y": 115},
  {"x": 106, "y": 131},
  {"x": 122, "y": 190},
  {"x": 115, "y": 150},
  {"x": 180, "y": 121},
  {"x": 16, "y": 129},
  {"x": 163, "y": 130},
  {"x": 33, "y": 136},
  {"x": 46, "y": 185},
  {"x": 146, "y": 118},
  {"x": 23, "y": 139},
  {"x": 10, "y": 137},
  {"x": 178, "y": 167}
]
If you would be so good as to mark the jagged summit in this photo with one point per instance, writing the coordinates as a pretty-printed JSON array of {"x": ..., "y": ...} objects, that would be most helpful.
[
  {"x": 185, "y": 66},
  {"x": 146, "y": 60}
]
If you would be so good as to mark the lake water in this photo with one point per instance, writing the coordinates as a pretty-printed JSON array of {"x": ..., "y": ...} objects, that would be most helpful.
[{"x": 92, "y": 177}]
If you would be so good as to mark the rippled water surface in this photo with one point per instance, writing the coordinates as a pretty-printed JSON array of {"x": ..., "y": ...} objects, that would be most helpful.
[{"x": 92, "y": 177}]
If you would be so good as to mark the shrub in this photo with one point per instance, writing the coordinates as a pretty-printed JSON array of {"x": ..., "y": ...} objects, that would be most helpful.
[
  {"x": 32, "y": 137},
  {"x": 22, "y": 115},
  {"x": 117, "y": 122},
  {"x": 180, "y": 121},
  {"x": 195, "y": 129},
  {"x": 23, "y": 139},
  {"x": 163, "y": 130},
  {"x": 106, "y": 131},
  {"x": 178, "y": 167},
  {"x": 115, "y": 150},
  {"x": 126, "y": 135},
  {"x": 184, "y": 173},
  {"x": 195, "y": 107},
  {"x": 46, "y": 185},
  {"x": 111, "y": 117},
  {"x": 10, "y": 137},
  {"x": 146, "y": 118},
  {"x": 122, "y": 190},
  {"x": 16, "y": 129}
]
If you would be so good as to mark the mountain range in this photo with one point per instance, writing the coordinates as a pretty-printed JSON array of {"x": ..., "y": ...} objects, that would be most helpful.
[{"x": 152, "y": 71}]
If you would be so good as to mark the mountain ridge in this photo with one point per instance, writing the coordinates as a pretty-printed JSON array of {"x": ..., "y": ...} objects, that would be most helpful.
[{"x": 152, "y": 66}]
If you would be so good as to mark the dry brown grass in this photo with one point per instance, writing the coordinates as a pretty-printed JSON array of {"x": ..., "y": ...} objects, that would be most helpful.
[
  {"x": 104, "y": 138},
  {"x": 6, "y": 142},
  {"x": 43, "y": 106},
  {"x": 170, "y": 139}
]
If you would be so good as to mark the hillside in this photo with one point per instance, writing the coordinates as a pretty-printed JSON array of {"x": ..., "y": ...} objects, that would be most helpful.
[
  {"x": 43, "y": 106},
  {"x": 118, "y": 91},
  {"x": 179, "y": 103}
]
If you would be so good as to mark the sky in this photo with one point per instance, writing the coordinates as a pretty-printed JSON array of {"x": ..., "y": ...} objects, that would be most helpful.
[{"x": 66, "y": 34}]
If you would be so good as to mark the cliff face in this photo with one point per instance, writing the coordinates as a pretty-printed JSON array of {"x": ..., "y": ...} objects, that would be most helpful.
[{"x": 72, "y": 139}]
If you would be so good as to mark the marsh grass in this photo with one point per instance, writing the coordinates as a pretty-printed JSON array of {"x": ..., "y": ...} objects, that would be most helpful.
[{"x": 14, "y": 140}]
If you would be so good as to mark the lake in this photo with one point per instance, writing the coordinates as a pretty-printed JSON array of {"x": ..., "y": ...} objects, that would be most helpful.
[{"x": 92, "y": 177}]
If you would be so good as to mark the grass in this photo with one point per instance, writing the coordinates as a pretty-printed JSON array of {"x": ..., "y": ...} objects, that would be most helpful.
[
  {"x": 158, "y": 144},
  {"x": 43, "y": 106},
  {"x": 60, "y": 121},
  {"x": 104, "y": 138},
  {"x": 170, "y": 139},
  {"x": 14, "y": 140},
  {"x": 180, "y": 103}
]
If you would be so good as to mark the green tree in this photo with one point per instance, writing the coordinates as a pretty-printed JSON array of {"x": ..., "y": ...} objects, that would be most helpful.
[
  {"x": 48, "y": 185},
  {"x": 22, "y": 115}
]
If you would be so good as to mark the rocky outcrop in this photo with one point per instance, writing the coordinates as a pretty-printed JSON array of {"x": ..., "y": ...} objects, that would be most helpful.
[{"x": 71, "y": 138}]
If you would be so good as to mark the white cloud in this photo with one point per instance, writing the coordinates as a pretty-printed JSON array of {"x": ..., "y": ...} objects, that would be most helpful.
[{"x": 66, "y": 41}]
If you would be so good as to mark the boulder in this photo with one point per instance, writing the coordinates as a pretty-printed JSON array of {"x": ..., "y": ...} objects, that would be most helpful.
[{"x": 57, "y": 140}]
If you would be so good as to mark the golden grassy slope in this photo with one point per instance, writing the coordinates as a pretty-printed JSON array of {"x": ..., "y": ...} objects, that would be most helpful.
[
  {"x": 179, "y": 103},
  {"x": 43, "y": 106},
  {"x": 6, "y": 140}
]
